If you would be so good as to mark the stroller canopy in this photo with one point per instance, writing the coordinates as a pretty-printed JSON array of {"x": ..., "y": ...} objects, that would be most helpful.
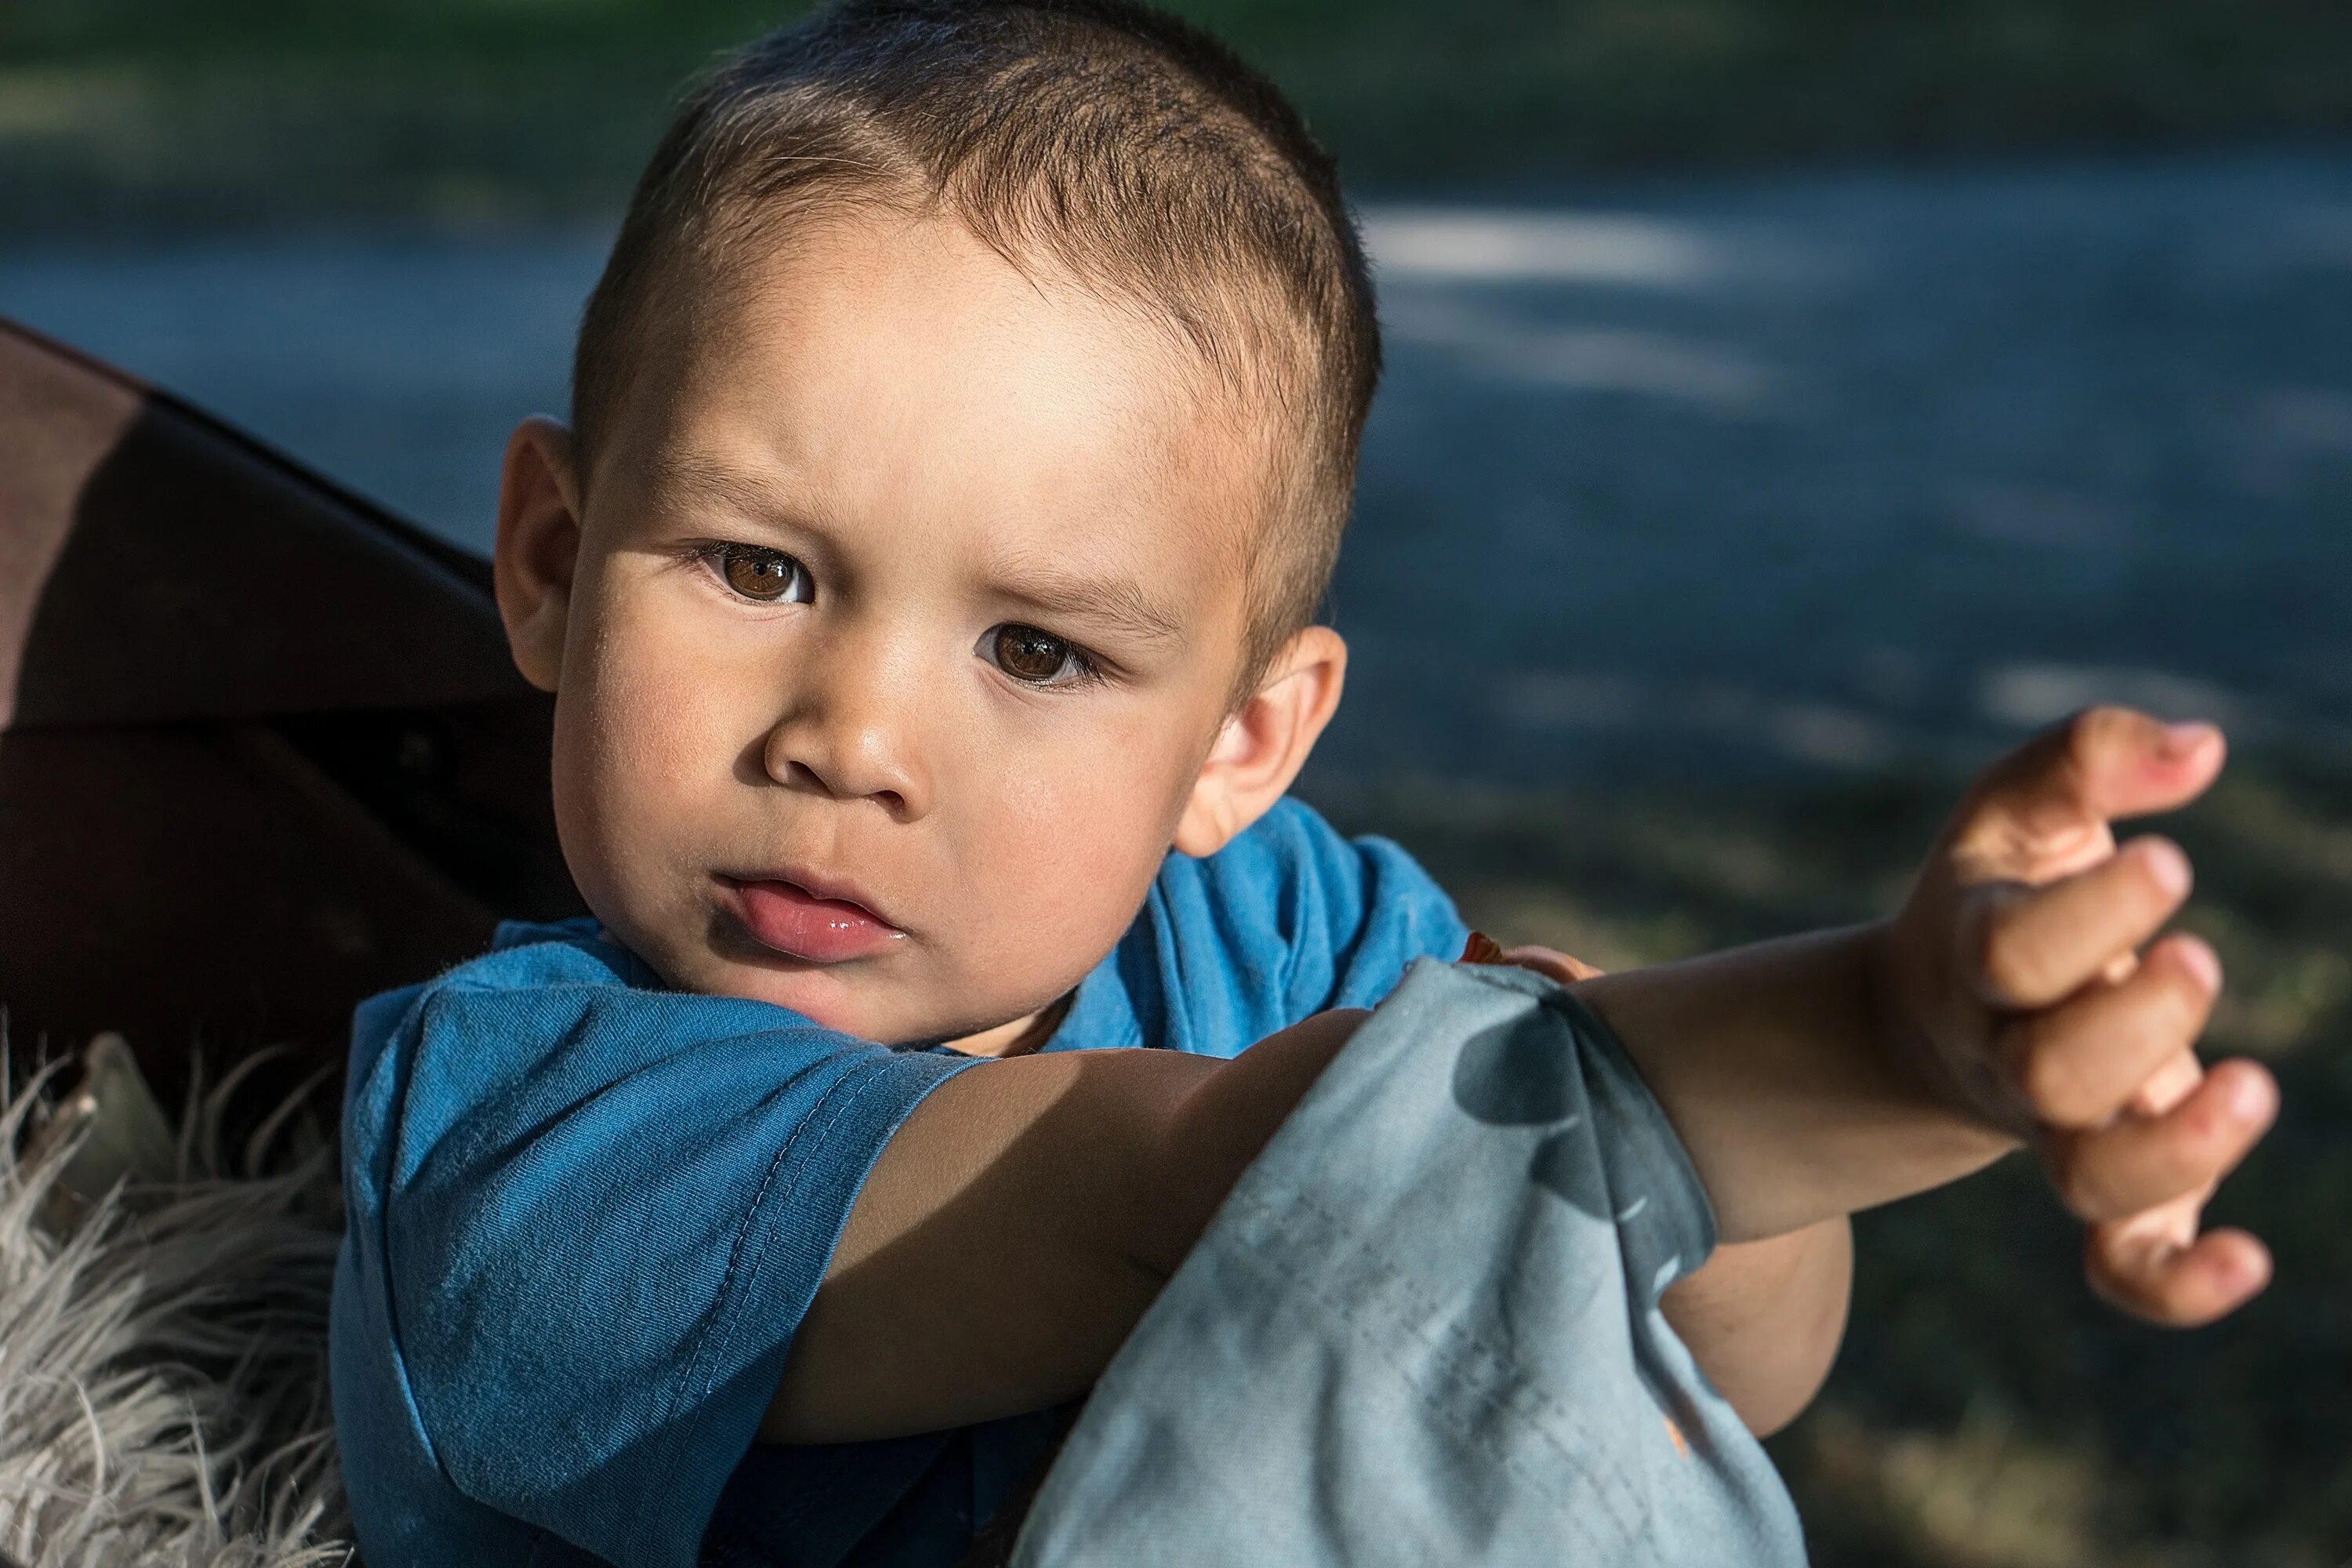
[{"x": 262, "y": 748}]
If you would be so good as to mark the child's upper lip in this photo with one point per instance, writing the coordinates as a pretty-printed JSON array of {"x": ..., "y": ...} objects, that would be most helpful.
[{"x": 833, "y": 889}]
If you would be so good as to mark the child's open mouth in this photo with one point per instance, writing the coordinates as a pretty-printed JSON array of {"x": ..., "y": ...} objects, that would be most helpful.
[{"x": 792, "y": 920}]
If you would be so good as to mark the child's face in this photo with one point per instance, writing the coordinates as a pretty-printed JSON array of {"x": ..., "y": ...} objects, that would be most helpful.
[{"x": 900, "y": 632}]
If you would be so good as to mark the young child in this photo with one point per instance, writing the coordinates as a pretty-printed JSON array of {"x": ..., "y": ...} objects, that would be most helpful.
[{"x": 962, "y": 435}]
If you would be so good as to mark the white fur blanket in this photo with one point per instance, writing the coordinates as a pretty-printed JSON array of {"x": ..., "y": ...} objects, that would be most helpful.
[{"x": 162, "y": 1347}]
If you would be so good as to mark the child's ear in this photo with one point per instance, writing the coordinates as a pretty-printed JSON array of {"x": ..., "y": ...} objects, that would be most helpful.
[
  {"x": 537, "y": 546},
  {"x": 1265, "y": 743}
]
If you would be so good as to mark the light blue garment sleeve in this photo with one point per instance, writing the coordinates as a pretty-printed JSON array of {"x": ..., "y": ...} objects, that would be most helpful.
[
  {"x": 1424, "y": 1328},
  {"x": 586, "y": 1217}
]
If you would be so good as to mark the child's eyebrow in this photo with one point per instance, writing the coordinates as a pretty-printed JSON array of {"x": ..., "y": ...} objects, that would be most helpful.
[
  {"x": 700, "y": 477},
  {"x": 1115, "y": 603}
]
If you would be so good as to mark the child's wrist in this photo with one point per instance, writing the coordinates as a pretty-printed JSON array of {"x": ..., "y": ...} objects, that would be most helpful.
[{"x": 1900, "y": 1039}]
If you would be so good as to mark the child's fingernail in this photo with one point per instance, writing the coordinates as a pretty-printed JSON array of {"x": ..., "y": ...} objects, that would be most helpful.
[
  {"x": 2178, "y": 741},
  {"x": 2168, "y": 865},
  {"x": 2250, "y": 1097},
  {"x": 2201, "y": 962},
  {"x": 2245, "y": 1274}
]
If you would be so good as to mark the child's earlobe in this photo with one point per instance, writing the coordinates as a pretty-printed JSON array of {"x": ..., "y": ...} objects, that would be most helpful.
[{"x": 537, "y": 546}]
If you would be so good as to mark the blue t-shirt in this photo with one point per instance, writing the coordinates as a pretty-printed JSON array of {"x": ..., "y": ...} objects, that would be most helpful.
[{"x": 585, "y": 1214}]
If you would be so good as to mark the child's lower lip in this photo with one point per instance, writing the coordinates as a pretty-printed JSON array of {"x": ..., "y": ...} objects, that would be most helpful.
[{"x": 798, "y": 924}]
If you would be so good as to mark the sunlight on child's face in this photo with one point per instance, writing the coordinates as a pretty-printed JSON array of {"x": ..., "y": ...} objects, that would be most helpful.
[{"x": 907, "y": 608}]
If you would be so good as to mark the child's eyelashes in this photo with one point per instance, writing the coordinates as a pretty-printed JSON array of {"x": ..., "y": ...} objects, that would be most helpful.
[
  {"x": 1030, "y": 655},
  {"x": 1037, "y": 658},
  {"x": 763, "y": 576}
]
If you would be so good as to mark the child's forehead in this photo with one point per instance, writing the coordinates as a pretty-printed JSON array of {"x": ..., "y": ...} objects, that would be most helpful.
[
  {"x": 873, "y": 355},
  {"x": 849, "y": 278}
]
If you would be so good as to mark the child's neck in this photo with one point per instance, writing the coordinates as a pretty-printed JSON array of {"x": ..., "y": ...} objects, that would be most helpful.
[{"x": 1020, "y": 1036}]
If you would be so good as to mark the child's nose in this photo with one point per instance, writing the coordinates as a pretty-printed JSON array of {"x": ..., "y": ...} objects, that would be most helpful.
[{"x": 851, "y": 737}]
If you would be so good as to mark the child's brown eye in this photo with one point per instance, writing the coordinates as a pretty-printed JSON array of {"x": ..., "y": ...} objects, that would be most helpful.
[
  {"x": 769, "y": 576},
  {"x": 1038, "y": 657}
]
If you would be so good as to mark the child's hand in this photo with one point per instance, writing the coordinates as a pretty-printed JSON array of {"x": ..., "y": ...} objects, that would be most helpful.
[
  {"x": 1484, "y": 949},
  {"x": 2017, "y": 985}
]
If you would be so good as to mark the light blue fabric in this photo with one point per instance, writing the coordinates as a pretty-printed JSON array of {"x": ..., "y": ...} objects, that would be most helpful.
[
  {"x": 1423, "y": 1329},
  {"x": 586, "y": 1213}
]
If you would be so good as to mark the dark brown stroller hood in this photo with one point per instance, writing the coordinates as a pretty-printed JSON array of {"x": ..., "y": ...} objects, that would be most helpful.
[{"x": 262, "y": 748}]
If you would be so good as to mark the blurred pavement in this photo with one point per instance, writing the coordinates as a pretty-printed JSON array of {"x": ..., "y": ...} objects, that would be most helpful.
[{"x": 1813, "y": 472}]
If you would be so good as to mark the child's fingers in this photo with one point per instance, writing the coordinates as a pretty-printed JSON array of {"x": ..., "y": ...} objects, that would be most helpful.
[
  {"x": 2077, "y": 1063},
  {"x": 1560, "y": 965},
  {"x": 2137, "y": 1163},
  {"x": 2100, "y": 764},
  {"x": 2158, "y": 1278},
  {"x": 2034, "y": 947}
]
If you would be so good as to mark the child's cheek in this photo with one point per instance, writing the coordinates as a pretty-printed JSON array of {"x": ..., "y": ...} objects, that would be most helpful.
[
  {"x": 1073, "y": 846},
  {"x": 638, "y": 747}
]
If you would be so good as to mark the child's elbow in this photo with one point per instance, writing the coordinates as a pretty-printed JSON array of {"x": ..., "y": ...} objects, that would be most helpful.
[{"x": 1764, "y": 1320}]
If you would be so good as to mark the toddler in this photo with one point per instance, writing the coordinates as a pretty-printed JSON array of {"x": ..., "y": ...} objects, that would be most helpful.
[{"x": 962, "y": 435}]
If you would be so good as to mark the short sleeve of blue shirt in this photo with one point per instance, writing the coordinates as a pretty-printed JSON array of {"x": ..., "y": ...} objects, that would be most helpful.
[{"x": 585, "y": 1214}]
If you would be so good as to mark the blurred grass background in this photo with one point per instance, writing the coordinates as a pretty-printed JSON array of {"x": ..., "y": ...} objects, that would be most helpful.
[
  {"x": 129, "y": 114},
  {"x": 1986, "y": 1412}
]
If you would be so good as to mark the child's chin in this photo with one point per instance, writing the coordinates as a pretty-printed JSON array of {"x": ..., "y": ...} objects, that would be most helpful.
[{"x": 832, "y": 999}]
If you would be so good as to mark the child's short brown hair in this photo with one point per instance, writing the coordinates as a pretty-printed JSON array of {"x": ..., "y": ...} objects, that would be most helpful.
[{"x": 1126, "y": 147}]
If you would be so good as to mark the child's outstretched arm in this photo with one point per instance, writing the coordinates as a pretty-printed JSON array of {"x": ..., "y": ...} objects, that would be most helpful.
[{"x": 1017, "y": 1225}]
